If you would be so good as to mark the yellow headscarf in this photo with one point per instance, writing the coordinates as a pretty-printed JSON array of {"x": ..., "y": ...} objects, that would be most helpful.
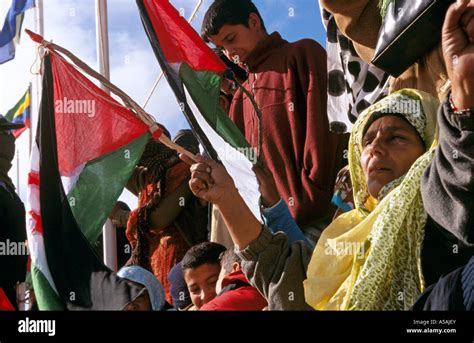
[{"x": 369, "y": 258}]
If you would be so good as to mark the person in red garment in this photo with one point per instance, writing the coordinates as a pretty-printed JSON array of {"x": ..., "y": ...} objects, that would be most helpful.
[
  {"x": 289, "y": 84},
  {"x": 169, "y": 219},
  {"x": 234, "y": 290}
]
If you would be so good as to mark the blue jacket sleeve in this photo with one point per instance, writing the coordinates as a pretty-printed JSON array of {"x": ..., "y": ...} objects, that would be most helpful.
[{"x": 278, "y": 218}]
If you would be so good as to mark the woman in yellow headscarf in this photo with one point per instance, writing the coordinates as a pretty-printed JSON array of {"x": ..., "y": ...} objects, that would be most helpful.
[
  {"x": 369, "y": 258},
  {"x": 378, "y": 256}
]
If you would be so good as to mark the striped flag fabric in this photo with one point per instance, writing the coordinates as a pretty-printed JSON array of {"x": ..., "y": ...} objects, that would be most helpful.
[
  {"x": 194, "y": 73},
  {"x": 20, "y": 113},
  {"x": 87, "y": 146},
  {"x": 10, "y": 34}
]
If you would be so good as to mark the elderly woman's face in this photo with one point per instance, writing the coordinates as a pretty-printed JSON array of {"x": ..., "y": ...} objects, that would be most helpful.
[{"x": 390, "y": 147}]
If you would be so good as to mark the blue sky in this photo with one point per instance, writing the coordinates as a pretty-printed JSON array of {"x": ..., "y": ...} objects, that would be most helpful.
[{"x": 71, "y": 23}]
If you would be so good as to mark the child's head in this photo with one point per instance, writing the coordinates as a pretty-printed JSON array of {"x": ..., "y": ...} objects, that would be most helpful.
[
  {"x": 201, "y": 268},
  {"x": 230, "y": 263},
  {"x": 154, "y": 299},
  {"x": 234, "y": 26},
  {"x": 178, "y": 288}
]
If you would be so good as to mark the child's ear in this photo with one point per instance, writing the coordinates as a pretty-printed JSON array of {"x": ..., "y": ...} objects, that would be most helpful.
[{"x": 235, "y": 267}]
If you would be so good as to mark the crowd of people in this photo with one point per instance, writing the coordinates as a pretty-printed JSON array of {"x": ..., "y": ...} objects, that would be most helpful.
[{"x": 378, "y": 219}]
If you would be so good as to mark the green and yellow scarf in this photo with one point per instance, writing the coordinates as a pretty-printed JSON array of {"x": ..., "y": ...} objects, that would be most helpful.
[{"x": 369, "y": 258}]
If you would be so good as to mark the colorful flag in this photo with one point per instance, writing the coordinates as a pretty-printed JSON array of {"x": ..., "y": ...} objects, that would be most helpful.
[
  {"x": 87, "y": 146},
  {"x": 194, "y": 72},
  {"x": 10, "y": 34},
  {"x": 20, "y": 113}
]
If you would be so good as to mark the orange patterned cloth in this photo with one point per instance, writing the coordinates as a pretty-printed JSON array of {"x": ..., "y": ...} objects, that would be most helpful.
[{"x": 167, "y": 246}]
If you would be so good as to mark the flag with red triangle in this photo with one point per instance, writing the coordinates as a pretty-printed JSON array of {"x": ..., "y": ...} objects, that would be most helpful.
[{"x": 87, "y": 146}]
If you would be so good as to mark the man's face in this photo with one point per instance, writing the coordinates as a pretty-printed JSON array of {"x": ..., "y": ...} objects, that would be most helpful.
[
  {"x": 238, "y": 41},
  {"x": 201, "y": 282},
  {"x": 390, "y": 147}
]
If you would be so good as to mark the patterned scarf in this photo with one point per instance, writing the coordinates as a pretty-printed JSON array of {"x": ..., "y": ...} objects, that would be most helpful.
[
  {"x": 383, "y": 5},
  {"x": 369, "y": 258},
  {"x": 156, "y": 160}
]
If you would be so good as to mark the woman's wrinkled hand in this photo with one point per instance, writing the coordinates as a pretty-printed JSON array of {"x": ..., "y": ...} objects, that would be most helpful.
[{"x": 458, "y": 51}]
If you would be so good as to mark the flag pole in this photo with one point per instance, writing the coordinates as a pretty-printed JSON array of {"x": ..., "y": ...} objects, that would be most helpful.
[
  {"x": 30, "y": 130},
  {"x": 34, "y": 108},
  {"x": 39, "y": 23},
  {"x": 191, "y": 18},
  {"x": 102, "y": 31},
  {"x": 109, "y": 234}
]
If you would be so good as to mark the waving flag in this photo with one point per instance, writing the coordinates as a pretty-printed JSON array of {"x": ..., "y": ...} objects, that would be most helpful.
[
  {"x": 194, "y": 72},
  {"x": 10, "y": 34},
  {"x": 20, "y": 114},
  {"x": 86, "y": 148}
]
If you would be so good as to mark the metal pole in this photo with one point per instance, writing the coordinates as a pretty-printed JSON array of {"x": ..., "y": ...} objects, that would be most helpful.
[
  {"x": 109, "y": 235},
  {"x": 35, "y": 105},
  {"x": 30, "y": 130},
  {"x": 109, "y": 239},
  {"x": 102, "y": 39},
  {"x": 39, "y": 14}
]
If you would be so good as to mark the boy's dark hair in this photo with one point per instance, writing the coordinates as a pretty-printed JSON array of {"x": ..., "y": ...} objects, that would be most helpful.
[
  {"x": 202, "y": 253},
  {"x": 228, "y": 258},
  {"x": 227, "y": 12}
]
